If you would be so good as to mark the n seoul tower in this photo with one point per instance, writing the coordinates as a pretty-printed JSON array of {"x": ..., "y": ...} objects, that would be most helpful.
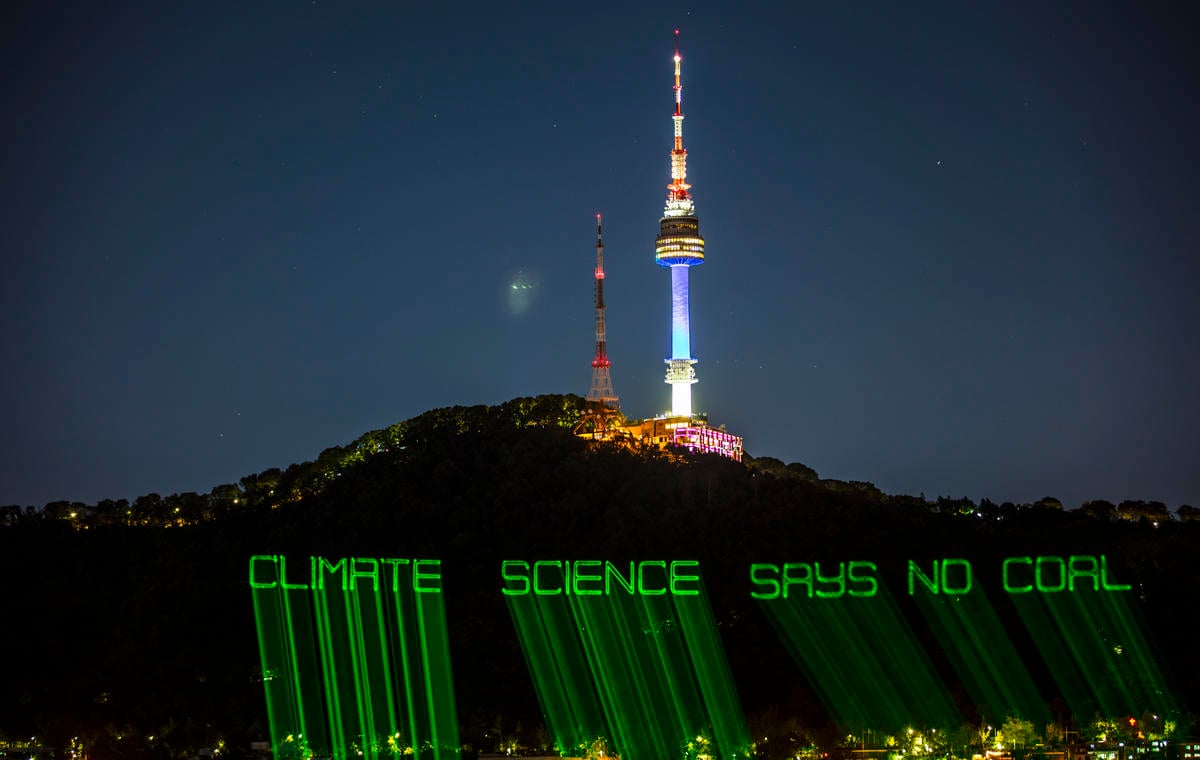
[{"x": 679, "y": 246}]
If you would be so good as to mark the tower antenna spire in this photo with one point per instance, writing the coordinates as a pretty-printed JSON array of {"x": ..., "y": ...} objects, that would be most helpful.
[
  {"x": 678, "y": 86},
  {"x": 677, "y": 195}
]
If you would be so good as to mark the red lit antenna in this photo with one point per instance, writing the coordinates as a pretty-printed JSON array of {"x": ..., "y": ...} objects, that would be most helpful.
[
  {"x": 599, "y": 265},
  {"x": 601, "y": 394},
  {"x": 679, "y": 187}
]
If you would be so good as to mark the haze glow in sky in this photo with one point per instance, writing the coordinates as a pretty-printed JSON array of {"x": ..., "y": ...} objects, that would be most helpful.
[{"x": 950, "y": 250}]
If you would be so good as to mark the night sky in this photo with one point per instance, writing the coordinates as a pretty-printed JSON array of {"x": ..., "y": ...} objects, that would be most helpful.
[{"x": 951, "y": 250}]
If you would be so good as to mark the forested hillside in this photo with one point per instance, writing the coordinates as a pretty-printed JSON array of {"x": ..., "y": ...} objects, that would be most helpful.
[{"x": 129, "y": 625}]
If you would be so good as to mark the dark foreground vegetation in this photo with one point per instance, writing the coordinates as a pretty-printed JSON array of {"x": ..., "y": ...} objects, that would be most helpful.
[{"x": 128, "y": 626}]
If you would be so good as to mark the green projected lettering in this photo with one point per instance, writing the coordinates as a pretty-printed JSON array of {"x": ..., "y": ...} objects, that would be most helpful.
[
  {"x": 940, "y": 580},
  {"x": 355, "y": 658},
  {"x": 626, "y": 656},
  {"x": 626, "y": 659},
  {"x": 1089, "y": 637},
  {"x": 1053, "y": 574},
  {"x": 423, "y": 576},
  {"x": 856, "y": 579},
  {"x": 944, "y": 577},
  {"x": 593, "y": 577}
]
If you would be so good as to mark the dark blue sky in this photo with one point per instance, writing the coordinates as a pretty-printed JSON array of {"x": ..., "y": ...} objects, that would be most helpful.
[{"x": 951, "y": 249}]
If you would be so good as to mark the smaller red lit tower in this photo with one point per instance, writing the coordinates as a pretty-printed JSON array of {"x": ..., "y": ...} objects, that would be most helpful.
[{"x": 601, "y": 393}]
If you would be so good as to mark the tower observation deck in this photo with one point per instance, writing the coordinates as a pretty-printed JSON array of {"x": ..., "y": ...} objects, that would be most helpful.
[{"x": 678, "y": 247}]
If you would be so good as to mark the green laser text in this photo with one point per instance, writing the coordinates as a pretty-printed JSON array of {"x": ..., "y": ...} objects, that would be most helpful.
[
  {"x": 593, "y": 577},
  {"x": 423, "y": 576}
]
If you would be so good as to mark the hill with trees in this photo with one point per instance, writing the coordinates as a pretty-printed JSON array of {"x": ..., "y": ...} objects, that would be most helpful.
[{"x": 130, "y": 631}]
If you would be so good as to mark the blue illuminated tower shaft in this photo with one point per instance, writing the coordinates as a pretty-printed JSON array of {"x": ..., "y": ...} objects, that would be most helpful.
[
  {"x": 679, "y": 246},
  {"x": 681, "y": 320}
]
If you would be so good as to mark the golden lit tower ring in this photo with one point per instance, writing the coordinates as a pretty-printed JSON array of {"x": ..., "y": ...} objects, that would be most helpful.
[{"x": 679, "y": 242}]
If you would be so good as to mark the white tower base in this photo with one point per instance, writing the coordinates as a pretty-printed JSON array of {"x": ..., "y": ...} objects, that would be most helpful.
[{"x": 680, "y": 376}]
